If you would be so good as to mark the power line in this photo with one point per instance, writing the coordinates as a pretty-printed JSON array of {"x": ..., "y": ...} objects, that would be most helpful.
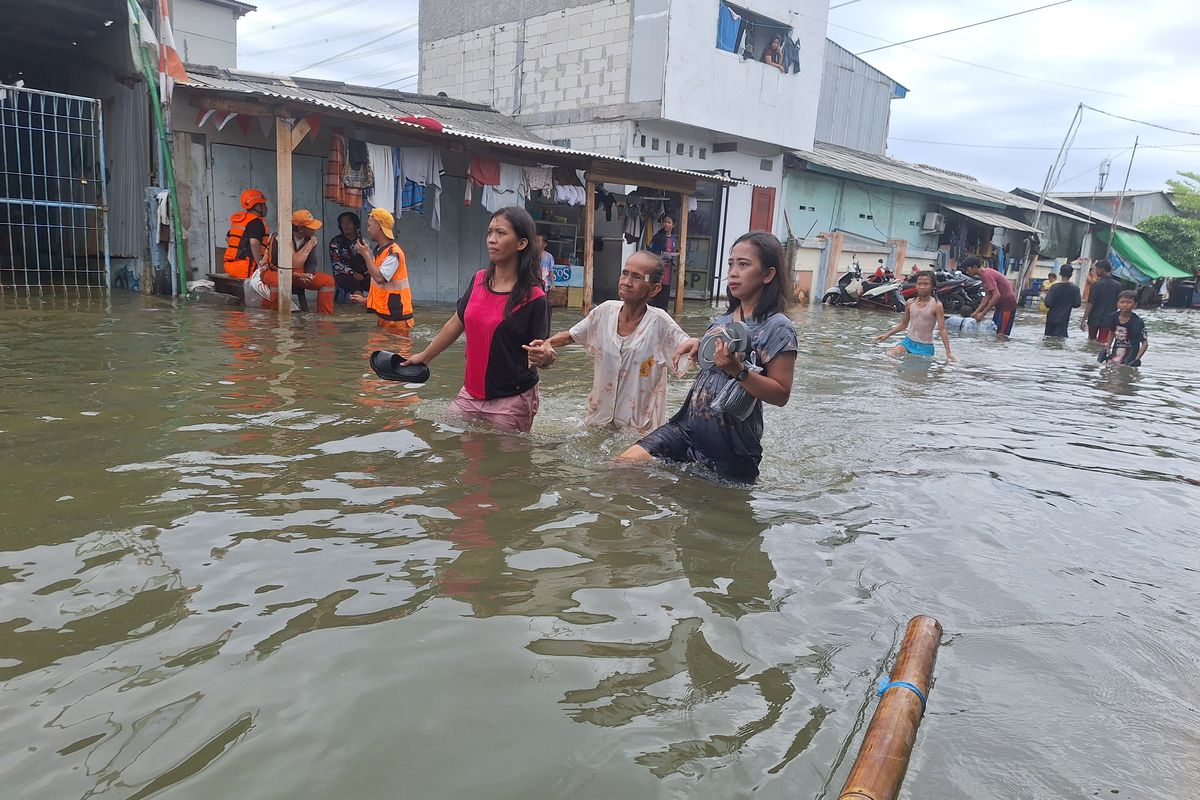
[
  {"x": 336, "y": 8},
  {"x": 998, "y": 70},
  {"x": 310, "y": 43},
  {"x": 1143, "y": 122},
  {"x": 964, "y": 27},
  {"x": 1034, "y": 147},
  {"x": 405, "y": 79},
  {"x": 394, "y": 65},
  {"x": 356, "y": 49},
  {"x": 839, "y": 5}
]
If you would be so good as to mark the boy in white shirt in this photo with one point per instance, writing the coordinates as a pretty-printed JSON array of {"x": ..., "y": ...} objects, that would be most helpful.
[{"x": 631, "y": 344}]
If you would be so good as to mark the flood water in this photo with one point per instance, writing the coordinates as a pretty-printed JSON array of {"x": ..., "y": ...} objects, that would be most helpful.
[{"x": 235, "y": 564}]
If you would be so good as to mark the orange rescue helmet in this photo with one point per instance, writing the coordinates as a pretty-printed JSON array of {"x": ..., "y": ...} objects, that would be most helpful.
[{"x": 252, "y": 198}]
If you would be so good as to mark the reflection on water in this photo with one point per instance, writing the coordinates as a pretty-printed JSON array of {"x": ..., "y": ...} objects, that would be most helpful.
[{"x": 236, "y": 564}]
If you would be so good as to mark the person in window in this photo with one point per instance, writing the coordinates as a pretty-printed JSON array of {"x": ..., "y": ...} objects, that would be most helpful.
[
  {"x": 665, "y": 244},
  {"x": 349, "y": 269},
  {"x": 773, "y": 54}
]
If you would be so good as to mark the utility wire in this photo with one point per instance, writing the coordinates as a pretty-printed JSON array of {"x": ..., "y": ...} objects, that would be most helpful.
[
  {"x": 839, "y": 5},
  {"x": 964, "y": 27},
  {"x": 1143, "y": 122},
  {"x": 336, "y": 8},
  {"x": 1035, "y": 147},
  {"x": 356, "y": 48},
  {"x": 996, "y": 69},
  {"x": 405, "y": 79},
  {"x": 309, "y": 43}
]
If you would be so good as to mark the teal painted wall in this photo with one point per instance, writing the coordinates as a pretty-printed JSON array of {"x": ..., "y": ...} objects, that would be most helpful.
[{"x": 816, "y": 203}]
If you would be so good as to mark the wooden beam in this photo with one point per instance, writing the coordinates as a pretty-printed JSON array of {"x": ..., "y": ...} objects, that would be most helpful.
[
  {"x": 678, "y": 184},
  {"x": 589, "y": 245},
  {"x": 681, "y": 264},
  {"x": 301, "y": 130},
  {"x": 283, "y": 202},
  {"x": 250, "y": 108}
]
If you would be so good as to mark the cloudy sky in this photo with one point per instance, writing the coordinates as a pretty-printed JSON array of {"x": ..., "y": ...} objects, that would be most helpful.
[{"x": 994, "y": 101}]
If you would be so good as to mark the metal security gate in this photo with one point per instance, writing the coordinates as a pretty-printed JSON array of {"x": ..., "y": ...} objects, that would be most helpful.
[{"x": 53, "y": 198}]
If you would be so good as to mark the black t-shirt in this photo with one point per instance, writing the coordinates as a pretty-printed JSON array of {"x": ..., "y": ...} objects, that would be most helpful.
[
  {"x": 255, "y": 229},
  {"x": 1127, "y": 336},
  {"x": 1060, "y": 299},
  {"x": 1103, "y": 300}
]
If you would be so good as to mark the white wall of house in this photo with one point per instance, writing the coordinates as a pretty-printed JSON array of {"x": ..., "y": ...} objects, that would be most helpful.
[{"x": 710, "y": 88}]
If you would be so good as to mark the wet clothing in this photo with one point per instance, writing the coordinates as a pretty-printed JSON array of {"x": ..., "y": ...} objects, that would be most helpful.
[
  {"x": 994, "y": 279},
  {"x": 497, "y": 364},
  {"x": 1060, "y": 299},
  {"x": 1003, "y": 320},
  {"x": 921, "y": 320},
  {"x": 515, "y": 413},
  {"x": 305, "y": 279},
  {"x": 917, "y": 348},
  {"x": 1127, "y": 338},
  {"x": 1103, "y": 302},
  {"x": 1099, "y": 333},
  {"x": 698, "y": 433},
  {"x": 629, "y": 377}
]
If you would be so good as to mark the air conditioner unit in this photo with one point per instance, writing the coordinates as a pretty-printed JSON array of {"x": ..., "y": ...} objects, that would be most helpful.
[{"x": 934, "y": 223}]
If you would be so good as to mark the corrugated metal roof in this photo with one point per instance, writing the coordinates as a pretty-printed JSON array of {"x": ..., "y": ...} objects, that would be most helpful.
[
  {"x": 844, "y": 161},
  {"x": 461, "y": 120},
  {"x": 991, "y": 218},
  {"x": 1073, "y": 210}
]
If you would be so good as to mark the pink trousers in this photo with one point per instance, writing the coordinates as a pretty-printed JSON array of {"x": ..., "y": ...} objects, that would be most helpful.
[{"x": 515, "y": 413}]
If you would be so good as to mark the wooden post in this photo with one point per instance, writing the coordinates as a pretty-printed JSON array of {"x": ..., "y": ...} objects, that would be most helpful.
[
  {"x": 883, "y": 758},
  {"x": 681, "y": 262},
  {"x": 283, "y": 210},
  {"x": 589, "y": 245}
]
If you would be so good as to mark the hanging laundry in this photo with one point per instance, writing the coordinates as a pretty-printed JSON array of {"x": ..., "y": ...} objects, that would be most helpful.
[
  {"x": 692, "y": 204},
  {"x": 606, "y": 199},
  {"x": 635, "y": 224},
  {"x": 423, "y": 166},
  {"x": 484, "y": 171},
  {"x": 383, "y": 195},
  {"x": 509, "y": 192},
  {"x": 356, "y": 153},
  {"x": 336, "y": 190},
  {"x": 412, "y": 197},
  {"x": 357, "y": 172},
  {"x": 791, "y": 55},
  {"x": 539, "y": 179},
  {"x": 729, "y": 27}
]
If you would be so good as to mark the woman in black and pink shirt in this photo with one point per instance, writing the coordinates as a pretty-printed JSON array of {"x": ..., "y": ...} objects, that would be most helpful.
[{"x": 503, "y": 309}]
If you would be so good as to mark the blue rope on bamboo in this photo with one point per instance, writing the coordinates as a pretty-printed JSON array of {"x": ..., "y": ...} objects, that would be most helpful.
[{"x": 884, "y": 685}]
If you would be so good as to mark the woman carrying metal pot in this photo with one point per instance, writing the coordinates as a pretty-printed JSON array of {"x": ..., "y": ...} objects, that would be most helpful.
[{"x": 747, "y": 358}]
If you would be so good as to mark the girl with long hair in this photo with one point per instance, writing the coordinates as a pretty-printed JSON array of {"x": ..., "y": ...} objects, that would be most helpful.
[
  {"x": 720, "y": 425},
  {"x": 503, "y": 308}
]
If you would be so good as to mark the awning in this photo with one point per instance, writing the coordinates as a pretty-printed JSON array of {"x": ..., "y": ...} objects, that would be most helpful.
[
  {"x": 1125, "y": 271},
  {"x": 1134, "y": 248},
  {"x": 990, "y": 218}
]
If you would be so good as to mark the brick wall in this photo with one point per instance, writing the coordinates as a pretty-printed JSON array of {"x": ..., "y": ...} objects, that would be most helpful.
[{"x": 573, "y": 58}]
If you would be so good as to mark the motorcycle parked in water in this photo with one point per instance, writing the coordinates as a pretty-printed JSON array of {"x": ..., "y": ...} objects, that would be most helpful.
[{"x": 852, "y": 290}]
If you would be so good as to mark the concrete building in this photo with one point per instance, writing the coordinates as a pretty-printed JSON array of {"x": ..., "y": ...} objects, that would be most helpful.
[
  {"x": 1135, "y": 207},
  {"x": 206, "y": 30},
  {"x": 680, "y": 84}
]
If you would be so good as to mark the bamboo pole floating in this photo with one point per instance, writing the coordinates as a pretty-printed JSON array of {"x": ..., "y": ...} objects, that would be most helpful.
[{"x": 883, "y": 757}]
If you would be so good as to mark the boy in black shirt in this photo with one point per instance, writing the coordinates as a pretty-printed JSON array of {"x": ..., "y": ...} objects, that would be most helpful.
[
  {"x": 1060, "y": 299},
  {"x": 1129, "y": 341}
]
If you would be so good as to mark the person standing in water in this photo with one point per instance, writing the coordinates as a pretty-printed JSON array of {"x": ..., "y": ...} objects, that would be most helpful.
[
  {"x": 390, "y": 295},
  {"x": 666, "y": 244},
  {"x": 631, "y": 344},
  {"x": 503, "y": 309},
  {"x": 1059, "y": 300},
  {"x": 921, "y": 314},
  {"x": 731, "y": 445}
]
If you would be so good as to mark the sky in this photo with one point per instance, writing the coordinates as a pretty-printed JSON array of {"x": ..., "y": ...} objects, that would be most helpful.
[{"x": 1134, "y": 59}]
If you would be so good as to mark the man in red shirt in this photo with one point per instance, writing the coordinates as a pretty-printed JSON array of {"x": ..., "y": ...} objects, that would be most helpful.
[{"x": 999, "y": 296}]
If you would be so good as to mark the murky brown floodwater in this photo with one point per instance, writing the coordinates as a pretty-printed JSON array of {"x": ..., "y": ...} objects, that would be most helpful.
[{"x": 235, "y": 565}]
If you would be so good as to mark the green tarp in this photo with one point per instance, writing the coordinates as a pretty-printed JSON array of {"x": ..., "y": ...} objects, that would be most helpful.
[{"x": 1134, "y": 248}]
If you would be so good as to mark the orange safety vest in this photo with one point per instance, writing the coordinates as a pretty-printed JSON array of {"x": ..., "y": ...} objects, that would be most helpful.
[
  {"x": 240, "y": 267},
  {"x": 393, "y": 300}
]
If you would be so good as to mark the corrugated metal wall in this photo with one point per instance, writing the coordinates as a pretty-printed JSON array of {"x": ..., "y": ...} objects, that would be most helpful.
[
  {"x": 855, "y": 104},
  {"x": 127, "y": 131}
]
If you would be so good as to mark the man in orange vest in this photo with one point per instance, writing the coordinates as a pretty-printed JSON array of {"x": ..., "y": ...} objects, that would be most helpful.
[
  {"x": 390, "y": 296},
  {"x": 304, "y": 264},
  {"x": 247, "y": 232}
]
